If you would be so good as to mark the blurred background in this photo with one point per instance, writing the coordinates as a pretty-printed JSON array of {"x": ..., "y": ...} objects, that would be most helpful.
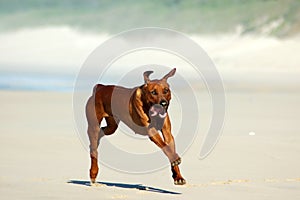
[{"x": 253, "y": 43}]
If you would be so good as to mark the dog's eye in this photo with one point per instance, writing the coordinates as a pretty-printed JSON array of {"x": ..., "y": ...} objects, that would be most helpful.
[
  {"x": 154, "y": 92},
  {"x": 166, "y": 90}
]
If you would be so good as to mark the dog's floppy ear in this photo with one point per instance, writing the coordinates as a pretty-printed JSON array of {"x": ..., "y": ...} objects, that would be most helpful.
[
  {"x": 170, "y": 74},
  {"x": 138, "y": 106},
  {"x": 146, "y": 76}
]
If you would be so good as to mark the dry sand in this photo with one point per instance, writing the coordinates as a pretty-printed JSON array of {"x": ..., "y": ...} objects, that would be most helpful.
[{"x": 41, "y": 153}]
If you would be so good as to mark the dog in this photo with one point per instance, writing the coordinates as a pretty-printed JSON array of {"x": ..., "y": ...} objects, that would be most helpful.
[{"x": 143, "y": 109}]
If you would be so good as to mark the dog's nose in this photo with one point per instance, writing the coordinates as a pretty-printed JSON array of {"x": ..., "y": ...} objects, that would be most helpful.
[{"x": 163, "y": 103}]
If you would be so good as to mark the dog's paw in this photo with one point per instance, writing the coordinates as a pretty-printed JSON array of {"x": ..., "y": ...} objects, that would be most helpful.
[
  {"x": 176, "y": 162},
  {"x": 92, "y": 181},
  {"x": 180, "y": 181},
  {"x": 97, "y": 184}
]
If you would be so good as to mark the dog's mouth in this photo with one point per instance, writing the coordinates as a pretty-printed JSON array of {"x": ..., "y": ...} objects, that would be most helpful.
[{"x": 157, "y": 111}]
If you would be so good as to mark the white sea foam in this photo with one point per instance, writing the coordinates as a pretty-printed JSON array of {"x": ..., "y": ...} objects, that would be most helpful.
[{"x": 62, "y": 50}]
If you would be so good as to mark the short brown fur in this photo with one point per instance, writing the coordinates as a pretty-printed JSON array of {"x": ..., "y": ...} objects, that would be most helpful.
[{"x": 131, "y": 106}]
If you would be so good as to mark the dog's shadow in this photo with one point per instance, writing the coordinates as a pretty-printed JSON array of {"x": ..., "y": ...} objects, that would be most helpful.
[{"x": 125, "y": 186}]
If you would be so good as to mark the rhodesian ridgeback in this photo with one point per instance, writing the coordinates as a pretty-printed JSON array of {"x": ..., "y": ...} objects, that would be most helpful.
[{"x": 143, "y": 109}]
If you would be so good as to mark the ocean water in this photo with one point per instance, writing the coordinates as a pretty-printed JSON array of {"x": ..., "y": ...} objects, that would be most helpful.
[
  {"x": 29, "y": 60},
  {"x": 44, "y": 44},
  {"x": 194, "y": 16},
  {"x": 36, "y": 82}
]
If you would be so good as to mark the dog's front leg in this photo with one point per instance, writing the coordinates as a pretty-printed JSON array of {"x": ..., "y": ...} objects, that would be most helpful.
[
  {"x": 169, "y": 139},
  {"x": 169, "y": 150}
]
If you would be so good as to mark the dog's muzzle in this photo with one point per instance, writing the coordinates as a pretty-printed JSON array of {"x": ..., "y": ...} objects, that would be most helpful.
[{"x": 157, "y": 110}]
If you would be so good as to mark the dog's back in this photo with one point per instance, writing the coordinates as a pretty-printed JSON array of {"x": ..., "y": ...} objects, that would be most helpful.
[{"x": 108, "y": 97}]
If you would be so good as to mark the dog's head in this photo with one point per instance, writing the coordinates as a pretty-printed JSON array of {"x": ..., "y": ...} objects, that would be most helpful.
[{"x": 157, "y": 94}]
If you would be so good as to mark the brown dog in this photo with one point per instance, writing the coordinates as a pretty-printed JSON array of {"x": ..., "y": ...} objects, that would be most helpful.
[{"x": 143, "y": 109}]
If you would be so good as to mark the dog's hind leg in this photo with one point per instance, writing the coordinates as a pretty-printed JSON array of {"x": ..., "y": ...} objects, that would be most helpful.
[
  {"x": 94, "y": 137},
  {"x": 94, "y": 133},
  {"x": 112, "y": 125}
]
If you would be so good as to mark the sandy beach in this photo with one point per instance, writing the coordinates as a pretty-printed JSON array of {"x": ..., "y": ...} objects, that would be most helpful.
[
  {"x": 52, "y": 51},
  {"x": 43, "y": 158}
]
